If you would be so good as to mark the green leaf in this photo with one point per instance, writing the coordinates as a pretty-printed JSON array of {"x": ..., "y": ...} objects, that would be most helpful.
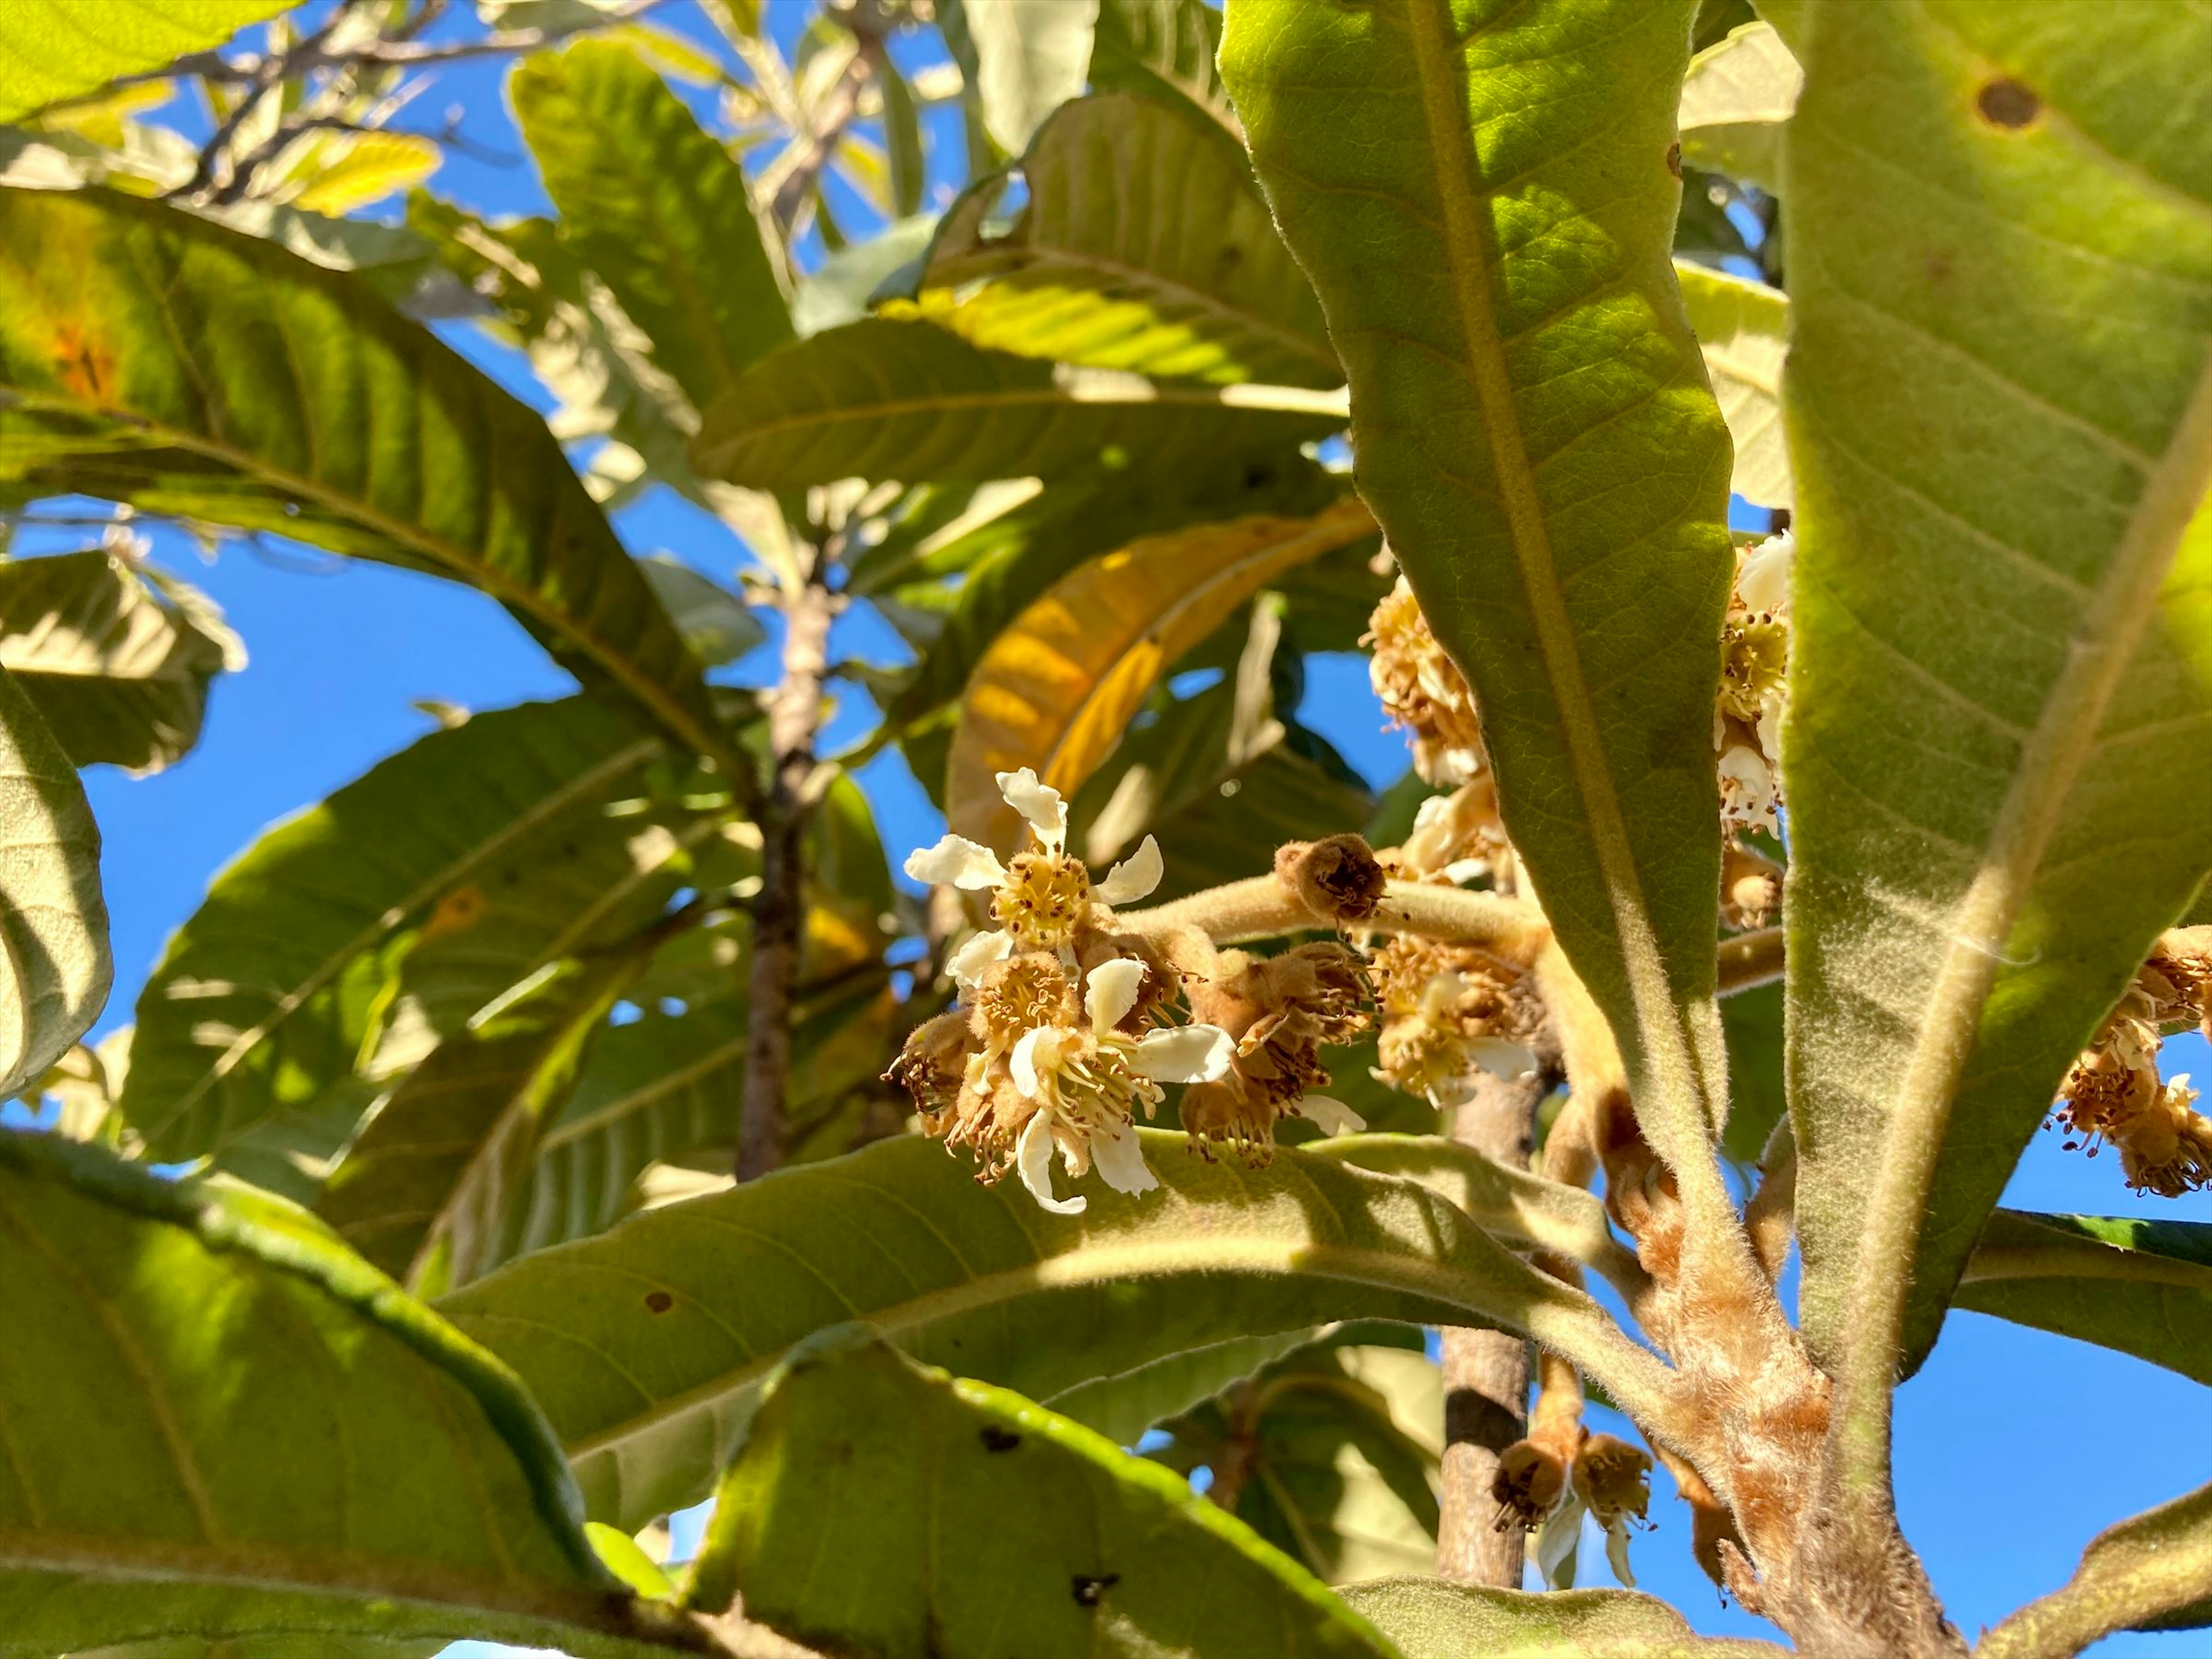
[
  {"x": 1736, "y": 105},
  {"x": 1030, "y": 57},
  {"x": 648, "y": 1347},
  {"x": 280, "y": 983},
  {"x": 1757, "y": 1099},
  {"x": 2142, "y": 1287},
  {"x": 2152, "y": 1571},
  {"x": 55, "y": 968},
  {"x": 910, "y": 163},
  {"x": 655, "y": 208},
  {"x": 1164, "y": 49},
  {"x": 714, "y": 622},
  {"x": 1743, "y": 329},
  {"x": 1330, "y": 1454},
  {"x": 199, "y": 1329},
  {"x": 148, "y": 357},
  {"x": 842, "y": 287},
  {"x": 117, "y": 659},
  {"x": 869, "y": 1488},
  {"x": 1056, "y": 687},
  {"x": 1106, "y": 264},
  {"x": 1989, "y": 823},
  {"x": 883, "y": 399},
  {"x": 431, "y": 1184},
  {"x": 1480, "y": 194},
  {"x": 1429, "y": 1619},
  {"x": 51, "y": 50}
]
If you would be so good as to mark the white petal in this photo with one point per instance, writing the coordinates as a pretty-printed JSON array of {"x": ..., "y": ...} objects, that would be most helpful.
[
  {"x": 1120, "y": 1161},
  {"x": 1042, "y": 806},
  {"x": 1134, "y": 877},
  {"x": 1762, "y": 580},
  {"x": 1563, "y": 1530},
  {"x": 1025, "y": 1063},
  {"x": 969, "y": 960},
  {"x": 1616, "y": 1551},
  {"x": 958, "y": 861},
  {"x": 1503, "y": 1057},
  {"x": 1112, "y": 992},
  {"x": 1331, "y": 1117},
  {"x": 1184, "y": 1054},
  {"x": 1033, "y": 1154}
]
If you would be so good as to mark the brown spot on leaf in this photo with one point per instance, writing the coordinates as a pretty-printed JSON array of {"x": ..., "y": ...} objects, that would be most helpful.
[
  {"x": 460, "y": 910},
  {"x": 2004, "y": 102},
  {"x": 1088, "y": 1590},
  {"x": 84, "y": 365},
  {"x": 1674, "y": 161},
  {"x": 658, "y": 1301},
  {"x": 996, "y": 1439}
]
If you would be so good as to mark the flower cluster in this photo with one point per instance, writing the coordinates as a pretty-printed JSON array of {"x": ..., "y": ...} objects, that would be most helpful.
[
  {"x": 1422, "y": 690},
  {"x": 1754, "y": 657},
  {"x": 1548, "y": 1481},
  {"x": 2113, "y": 1094},
  {"x": 1279, "y": 1010},
  {"x": 1063, "y": 1032},
  {"x": 1447, "y": 1009}
]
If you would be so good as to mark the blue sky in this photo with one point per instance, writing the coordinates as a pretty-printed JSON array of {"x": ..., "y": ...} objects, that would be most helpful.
[{"x": 2013, "y": 1447}]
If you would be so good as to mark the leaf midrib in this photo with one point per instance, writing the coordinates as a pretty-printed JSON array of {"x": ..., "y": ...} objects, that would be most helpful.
[
  {"x": 615, "y": 663},
  {"x": 1668, "y": 1049}
]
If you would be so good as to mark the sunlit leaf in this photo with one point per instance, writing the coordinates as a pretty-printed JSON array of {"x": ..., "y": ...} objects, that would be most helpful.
[
  {"x": 55, "y": 49},
  {"x": 656, "y": 208},
  {"x": 1054, "y": 690},
  {"x": 117, "y": 660},
  {"x": 1743, "y": 329},
  {"x": 2152, "y": 1571},
  {"x": 1030, "y": 57},
  {"x": 201, "y": 1329},
  {"x": 2144, "y": 1287},
  {"x": 1989, "y": 823},
  {"x": 648, "y": 1347},
  {"x": 883, "y": 399},
  {"x": 54, "y": 963},
  {"x": 1144, "y": 244},
  {"x": 1480, "y": 194},
  {"x": 1736, "y": 103},
  {"x": 1430, "y": 1619},
  {"x": 1163, "y": 48},
  {"x": 149, "y": 356}
]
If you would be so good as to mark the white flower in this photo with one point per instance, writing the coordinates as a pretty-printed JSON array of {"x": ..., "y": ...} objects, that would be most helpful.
[
  {"x": 1749, "y": 796},
  {"x": 1331, "y": 1117},
  {"x": 1086, "y": 1082},
  {"x": 1038, "y": 897},
  {"x": 1762, "y": 578}
]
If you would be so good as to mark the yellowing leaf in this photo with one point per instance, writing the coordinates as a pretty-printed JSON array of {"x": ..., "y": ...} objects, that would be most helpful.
[
  {"x": 1055, "y": 689},
  {"x": 352, "y": 170}
]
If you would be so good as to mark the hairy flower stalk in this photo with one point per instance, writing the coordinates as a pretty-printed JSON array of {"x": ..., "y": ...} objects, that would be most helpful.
[{"x": 2113, "y": 1094}]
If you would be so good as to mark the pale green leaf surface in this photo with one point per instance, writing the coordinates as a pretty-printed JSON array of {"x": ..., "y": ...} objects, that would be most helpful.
[
  {"x": 1144, "y": 244},
  {"x": 1429, "y": 1619},
  {"x": 842, "y": 287},
  {"x": 883, "y": 399},
  {"x": 869, "y": 1487},
  {"x": 2142, "y": 1287},
  {"x": 1743, "y": 329},
  {"x": 649, "y": 1345},
  {"x": 277, "y": 987},
  {"x": 656, "y": 208},
  {"x": 1030, "y": 57},
  {"x": 1480, "y": 190},
  {"x": 200, "y": 1328},
  {"x": 1736, "y": 104},
  {"x": 55, "y": 968},
  {"x": 118, "y": 660},
  {"x": 1163, "y": 48},
  {"x": 149, "y": 356},
  {"x": 51, "y": 50},
  {"x": 1999, "y": 785},
  {"x": 713, "y": 622}
]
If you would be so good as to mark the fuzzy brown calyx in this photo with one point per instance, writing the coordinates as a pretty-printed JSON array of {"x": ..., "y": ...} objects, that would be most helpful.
[
  {"x": 1531, "y": 1478},
  {"x": 932, "y": 1065},
  {"x": 1614, "y": 1478},
  {"x": 2113, "y": 1093},
  {"x": 1338, "y": 877},
  {"x": 1751, "y": 886},
  {"x": 1280, "y": 1011}
]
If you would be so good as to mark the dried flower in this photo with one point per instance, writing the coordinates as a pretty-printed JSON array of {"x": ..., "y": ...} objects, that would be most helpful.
[
  {"x": 1422, "y": 690},
  {"x": 1754, "y": 661},
  {"x": 1040, "y": 899},
  {"x": 1751, "y": 886},
  {"x": 1456, "y": 837},
  {"x": 1338, "y": 877},
  {"x": 2113, "y": 1093},
  {"x": 1448, "y": 1010},
  {"x": 1613, "y": 1479},
  {"x": 1279, "y": 1010}
]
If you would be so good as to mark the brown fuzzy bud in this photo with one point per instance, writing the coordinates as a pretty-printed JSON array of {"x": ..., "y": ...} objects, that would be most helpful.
[
  {"x": 1527, "y": 1486},
  {"x": 1338, "y": 877},
  {"x": 931, "y": 1065},
  {"x": 1614, "y": 1477}
]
